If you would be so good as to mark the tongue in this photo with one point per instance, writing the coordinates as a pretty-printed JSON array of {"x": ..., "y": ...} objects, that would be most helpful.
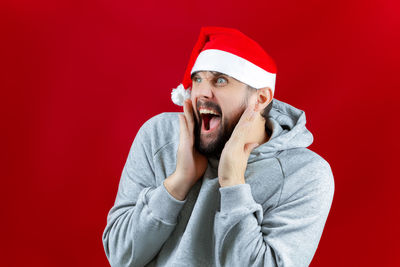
[{"x": 214, "y": 121}]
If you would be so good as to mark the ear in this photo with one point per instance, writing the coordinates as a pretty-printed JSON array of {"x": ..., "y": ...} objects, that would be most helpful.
[{"x": 264, "y": 97}]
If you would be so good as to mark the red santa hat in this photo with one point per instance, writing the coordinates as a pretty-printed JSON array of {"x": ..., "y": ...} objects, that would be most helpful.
[{"x": 228, "y": 51}]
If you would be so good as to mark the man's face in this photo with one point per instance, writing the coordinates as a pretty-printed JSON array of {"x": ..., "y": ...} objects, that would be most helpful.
[{"x": 218, "y": 101}]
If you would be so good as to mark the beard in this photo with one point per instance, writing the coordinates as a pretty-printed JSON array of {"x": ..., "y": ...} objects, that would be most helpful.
[{"x": 214, "y": 148}]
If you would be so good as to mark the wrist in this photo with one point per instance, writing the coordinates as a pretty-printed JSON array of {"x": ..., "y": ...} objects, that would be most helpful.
[
  {"x": 176, "y": 186},
  {"x": 224, "y": 182}
]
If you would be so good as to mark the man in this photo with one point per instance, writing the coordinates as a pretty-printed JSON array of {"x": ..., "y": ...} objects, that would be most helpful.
[{"x": 230, "y": 181}]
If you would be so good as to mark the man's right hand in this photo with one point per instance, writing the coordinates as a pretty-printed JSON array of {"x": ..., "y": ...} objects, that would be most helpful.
[{"x": 190, "y": 164}]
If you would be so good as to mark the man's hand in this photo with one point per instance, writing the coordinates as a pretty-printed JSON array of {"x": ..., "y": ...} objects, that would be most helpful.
[
  {"x": 190, "y": 164},
  {"x": 234, "y": 156}
]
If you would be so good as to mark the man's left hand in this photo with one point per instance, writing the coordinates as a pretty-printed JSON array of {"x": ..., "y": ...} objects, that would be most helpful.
[{"x": 234, "y": 156}]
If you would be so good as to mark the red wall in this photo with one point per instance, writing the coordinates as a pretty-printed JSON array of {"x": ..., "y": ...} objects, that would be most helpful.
[{"x": 78, "y": 79}]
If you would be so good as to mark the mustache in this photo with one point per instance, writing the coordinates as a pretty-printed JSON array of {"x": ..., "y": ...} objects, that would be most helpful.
[{"x": 209, "y": 105}]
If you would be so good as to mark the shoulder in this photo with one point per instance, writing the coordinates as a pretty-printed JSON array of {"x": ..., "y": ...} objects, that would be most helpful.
[
  {"x": 303, "y": 159},
  {"x": 306, "y": 174},
  {"x": 161, "y": 121},
  {"x": 161, "y": 125},
  {"x": 159, "y": 130}
]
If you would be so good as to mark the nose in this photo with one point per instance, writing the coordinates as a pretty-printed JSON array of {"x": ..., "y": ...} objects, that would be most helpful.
[{"x": 203, "y": 89}]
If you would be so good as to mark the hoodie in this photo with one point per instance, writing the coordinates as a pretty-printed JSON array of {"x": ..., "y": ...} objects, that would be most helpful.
[{"x": 275, "y": 219}]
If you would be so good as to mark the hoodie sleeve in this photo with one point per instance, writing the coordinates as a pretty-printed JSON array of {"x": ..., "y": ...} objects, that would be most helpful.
[
  {"x": 144, "y": 214},
  {"x": 286, "y": 235}
]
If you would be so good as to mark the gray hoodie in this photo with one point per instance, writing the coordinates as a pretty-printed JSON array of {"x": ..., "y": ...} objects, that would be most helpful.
[{"x": 275, "y": 219}]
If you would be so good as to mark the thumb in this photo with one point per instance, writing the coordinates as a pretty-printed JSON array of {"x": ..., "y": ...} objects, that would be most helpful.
[{"x": 249, "y": 147}]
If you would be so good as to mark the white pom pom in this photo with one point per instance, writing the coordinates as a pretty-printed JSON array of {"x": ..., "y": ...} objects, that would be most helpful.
[{"x": 179, "y": 94}]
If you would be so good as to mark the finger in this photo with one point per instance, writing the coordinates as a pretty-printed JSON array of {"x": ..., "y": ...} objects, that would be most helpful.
[
  {"x": 249, "y": 113},
  {"x": 188, "y": 110},
  {"x": 244, "y": 124},
  {"x": 249, "y": 147},
  {"x": 247, "y": 116},
  {"x": 183, "y": 132}
]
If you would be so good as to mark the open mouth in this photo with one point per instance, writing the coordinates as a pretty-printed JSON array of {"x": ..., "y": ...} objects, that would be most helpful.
[{"x": 209, "y": 122}]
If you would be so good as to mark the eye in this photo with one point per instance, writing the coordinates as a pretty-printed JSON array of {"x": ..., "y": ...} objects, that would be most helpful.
[
  {"x": 221, "y": 80},
  {"x": 197, "y": 79}
]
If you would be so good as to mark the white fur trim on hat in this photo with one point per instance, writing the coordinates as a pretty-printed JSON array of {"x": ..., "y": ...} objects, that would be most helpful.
[
  {"x": 236, "y": 67},
  {"x": 179, "y": 94}
]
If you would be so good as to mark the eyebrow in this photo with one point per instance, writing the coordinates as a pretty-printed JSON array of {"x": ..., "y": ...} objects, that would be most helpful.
[{"x": 214, "y": 73}]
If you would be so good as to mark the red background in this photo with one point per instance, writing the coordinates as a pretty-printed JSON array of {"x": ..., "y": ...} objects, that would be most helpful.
[{"x": 79, "y": 78}]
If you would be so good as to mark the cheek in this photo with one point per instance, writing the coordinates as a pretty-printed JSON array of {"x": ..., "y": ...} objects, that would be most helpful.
[
  {"x": 228, "y": 110},
  {"x": 233, "y": 114}
]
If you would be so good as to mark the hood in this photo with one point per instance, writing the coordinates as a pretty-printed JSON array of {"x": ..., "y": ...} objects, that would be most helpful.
[{"x": 288, "y": 126}]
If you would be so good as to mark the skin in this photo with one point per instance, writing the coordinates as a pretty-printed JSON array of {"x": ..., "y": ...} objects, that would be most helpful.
[
  {"x": 242, "y": 128},
  {"x": 223, "y": 94}
]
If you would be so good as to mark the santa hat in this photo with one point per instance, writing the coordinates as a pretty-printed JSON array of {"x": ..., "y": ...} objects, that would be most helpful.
[{"x": 228, "y": 51}]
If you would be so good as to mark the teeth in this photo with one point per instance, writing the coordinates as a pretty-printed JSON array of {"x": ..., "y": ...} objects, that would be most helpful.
[{"x": 208, "y": 111}]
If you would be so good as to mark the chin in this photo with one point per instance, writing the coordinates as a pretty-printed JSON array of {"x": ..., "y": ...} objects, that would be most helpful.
[
  {"x": 211, "y": 147},
  {"x": 212, "y": 144}
]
